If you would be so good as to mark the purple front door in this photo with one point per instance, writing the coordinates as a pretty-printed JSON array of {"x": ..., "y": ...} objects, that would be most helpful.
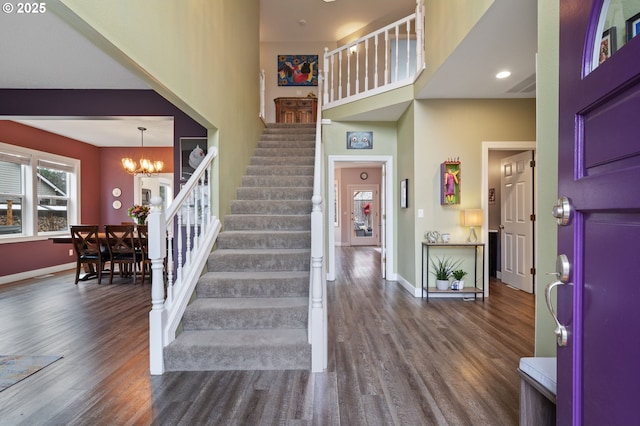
[{"x": 599, "y": 172}]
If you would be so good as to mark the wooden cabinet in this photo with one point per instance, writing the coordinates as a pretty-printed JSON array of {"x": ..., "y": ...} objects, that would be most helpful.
[{"x": 296, "y": 110}]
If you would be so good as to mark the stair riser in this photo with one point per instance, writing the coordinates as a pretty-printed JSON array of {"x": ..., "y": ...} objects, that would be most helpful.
[
  {"x": 269, "y": 207},
  {"x": 212, "y": 287},
  {"x": 246, "y": 319},
  {"x": 287, "y": 141},
  {"x": 279, "y": 171},
  {"x": 238, "y": 262},
  {"x": 206, "y": 358},
  {"x": 272, "y": 223},
  {"x": 276, "y": 240},
  {"x": 274, "y": 193},
  {"x": 284, "y": 152},
  {"x": 282, "y": 161},
  {"x": 277, "y": 181}
]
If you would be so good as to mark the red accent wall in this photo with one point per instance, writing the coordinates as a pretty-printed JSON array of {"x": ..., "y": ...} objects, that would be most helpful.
[
  {"x": 100, "y": 171},
  {"x": 112, "y": 175}
]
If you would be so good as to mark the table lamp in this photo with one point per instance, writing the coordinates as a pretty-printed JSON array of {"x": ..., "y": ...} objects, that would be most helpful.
[{"x": 472, "y": 218}]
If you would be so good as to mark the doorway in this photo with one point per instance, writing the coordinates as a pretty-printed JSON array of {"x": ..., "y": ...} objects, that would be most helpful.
[
  {"x": 336, "y": 214},
  {"x": 491, "y": 203},
  {"x": 365, "y": 215}
]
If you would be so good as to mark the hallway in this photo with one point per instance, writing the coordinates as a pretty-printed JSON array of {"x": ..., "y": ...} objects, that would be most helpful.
[{"x": 393, "y": 359}]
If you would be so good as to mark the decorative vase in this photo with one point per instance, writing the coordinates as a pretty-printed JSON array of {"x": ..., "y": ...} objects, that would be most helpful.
[
  {"x": 141, "y": 220},
  {"x": 442, "y": 284},
  {"x": 457, "y": 285}
]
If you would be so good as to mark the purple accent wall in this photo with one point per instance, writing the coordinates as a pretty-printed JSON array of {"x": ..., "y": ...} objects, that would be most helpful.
[{"x": 98, "y": 174}]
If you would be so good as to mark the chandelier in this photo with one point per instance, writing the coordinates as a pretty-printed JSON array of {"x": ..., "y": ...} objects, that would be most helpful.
[{"x": 147, "y": 166}]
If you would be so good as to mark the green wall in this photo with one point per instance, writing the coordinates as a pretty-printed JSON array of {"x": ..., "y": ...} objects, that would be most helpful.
[
  {"x": 547, "y": 155},
  {"x": 183, "y": 51},
  {"x": 405, "y": 218},
  {"x": 456, "y": 128}
]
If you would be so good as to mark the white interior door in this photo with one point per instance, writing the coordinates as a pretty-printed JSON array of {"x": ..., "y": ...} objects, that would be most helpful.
[
  {"x": 517, "y": 225},
  {"x": 364, "y": 202}
]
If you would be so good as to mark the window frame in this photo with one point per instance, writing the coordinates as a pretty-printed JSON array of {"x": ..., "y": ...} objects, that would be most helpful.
[{"x": 30, "y": 192}]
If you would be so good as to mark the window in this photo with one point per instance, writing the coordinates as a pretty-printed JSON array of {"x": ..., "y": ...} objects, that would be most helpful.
[{"x": 38, "y": 193}]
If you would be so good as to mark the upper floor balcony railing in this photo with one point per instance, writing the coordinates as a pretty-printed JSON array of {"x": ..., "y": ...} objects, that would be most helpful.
[{"x": 383, "y": 60}]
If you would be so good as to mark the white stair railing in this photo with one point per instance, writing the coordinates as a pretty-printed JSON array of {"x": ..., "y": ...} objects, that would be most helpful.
[
  {"x": 180, "y": 241},
  {"x": 317, "y": 282},
  {"x": 383, "y": 60}
]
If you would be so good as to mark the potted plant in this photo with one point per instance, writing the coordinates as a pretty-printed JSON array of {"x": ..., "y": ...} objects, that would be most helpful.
[
  {"x": 458, "y": 282},
  {"x": 443, "y": 269}
]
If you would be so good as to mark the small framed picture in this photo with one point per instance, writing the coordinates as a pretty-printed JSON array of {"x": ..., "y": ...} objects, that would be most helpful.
[
  {"x": 492, "y": 195},
  {"x": 633, "y": 26},
  {"x": 192, "y": 152},
  {"x": 359, "y": 140},
  {"x": 607, "y": 44},
  {"x": 404, "y": 193}
]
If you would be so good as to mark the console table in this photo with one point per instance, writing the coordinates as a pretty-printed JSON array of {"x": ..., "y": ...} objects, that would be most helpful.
[
  {"x": 296, "y": 110},
  {"x": 474, "y": 289}
]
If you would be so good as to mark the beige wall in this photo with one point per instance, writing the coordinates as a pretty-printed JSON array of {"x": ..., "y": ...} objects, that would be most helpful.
[
  {"x": 451, "y": 129},
  {"x": 547, "y": 157},
  {"x": 455, "y": 18},
  {"x": 190, "y": 64}
]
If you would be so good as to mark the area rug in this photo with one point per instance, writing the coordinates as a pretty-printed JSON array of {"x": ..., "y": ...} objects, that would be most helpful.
[{"x": 14, "y": 368}]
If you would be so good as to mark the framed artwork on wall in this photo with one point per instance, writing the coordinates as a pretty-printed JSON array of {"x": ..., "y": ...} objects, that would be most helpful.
[
  {"x": 404, "y": 193},
  {"x": 359, "y": 140},
  {"x": 633, "y": 26},
  {"x": 297, "y": 70},
  {"x": 192, "y": 152},
  {"x": 450, "y": 182}
]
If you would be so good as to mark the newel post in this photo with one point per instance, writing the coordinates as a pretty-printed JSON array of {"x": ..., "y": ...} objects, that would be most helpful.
[
  {"x": 317, "y": 297},
  {"x": 157, "y": 254}
]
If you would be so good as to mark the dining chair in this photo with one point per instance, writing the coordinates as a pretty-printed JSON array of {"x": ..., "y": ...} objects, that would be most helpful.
[
  {"x": 122, "y": 243},
  {"x": 143, "y": 247},
  {"x": 89, "y": 251}
]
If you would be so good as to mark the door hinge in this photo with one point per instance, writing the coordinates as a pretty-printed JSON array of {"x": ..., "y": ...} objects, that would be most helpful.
[
  {"x": 532, "y": 217},
  {"x": 533, "y": 271},
  {"x": 532, "y": 163}
]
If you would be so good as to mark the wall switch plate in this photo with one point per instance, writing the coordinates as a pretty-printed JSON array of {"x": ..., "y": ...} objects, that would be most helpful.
[
  {"x": 70, "y": 252},
  {"x": 420, "y": 213}
]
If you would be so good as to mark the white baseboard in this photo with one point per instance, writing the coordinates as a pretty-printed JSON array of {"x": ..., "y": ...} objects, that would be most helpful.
[
  {"x": 499, "y": 275},
  {"x": 36, "y": 273},
  {"x": 415, "y": 291}
]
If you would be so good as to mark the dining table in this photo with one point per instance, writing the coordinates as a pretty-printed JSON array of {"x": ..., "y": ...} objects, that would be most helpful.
[{"x": 67, "y": 239}]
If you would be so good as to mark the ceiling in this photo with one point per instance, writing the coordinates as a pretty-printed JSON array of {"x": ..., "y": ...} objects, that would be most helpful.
[{"x": 45, "y": 52}]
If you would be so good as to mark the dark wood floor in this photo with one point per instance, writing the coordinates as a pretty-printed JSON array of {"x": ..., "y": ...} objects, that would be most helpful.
[{"x": 393, "y": 360}]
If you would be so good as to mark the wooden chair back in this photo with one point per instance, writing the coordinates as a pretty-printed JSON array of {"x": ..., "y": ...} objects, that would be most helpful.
[
  {"x": 122, "y": 244},
  {"x": 89, "y": 251}
]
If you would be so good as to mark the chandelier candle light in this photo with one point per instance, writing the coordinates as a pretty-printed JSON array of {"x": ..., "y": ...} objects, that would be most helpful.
[
  {"x": 147, "y": 166},
  {"x": 471, "y": 218}
]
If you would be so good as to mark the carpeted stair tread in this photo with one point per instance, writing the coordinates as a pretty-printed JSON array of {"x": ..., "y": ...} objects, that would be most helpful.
[
  {"x": 264, "y": 239},
  {"x": 254, "y": 284},
  {"x": 280, "y": 161},
  {"x": 279, "y": 171},
  {"x": 277, "y": 207},
  {"x": 243, "y": 222},
  {"x": 294, "y": 193},
  {"x": 215, "y": 350},
  {"x": 259, "y": 260},
  {"x": 246, "y": 313},
  {"x": 271, "y": 181}
]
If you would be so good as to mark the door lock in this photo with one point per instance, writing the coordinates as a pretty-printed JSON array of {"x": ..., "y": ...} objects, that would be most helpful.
[{"x": 562, "y": 211}]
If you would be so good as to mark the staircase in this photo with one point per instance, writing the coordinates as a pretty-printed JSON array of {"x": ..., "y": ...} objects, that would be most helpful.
[{"x": 251, "y": 307}]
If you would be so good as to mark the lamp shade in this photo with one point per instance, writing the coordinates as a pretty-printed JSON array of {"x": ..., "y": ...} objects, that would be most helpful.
[{"x": 472, "y": 217}]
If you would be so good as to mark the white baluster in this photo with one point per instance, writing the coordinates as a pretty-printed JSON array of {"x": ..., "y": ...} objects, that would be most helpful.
[
  {"x": 357, "y": 68},
  {"x": 366, "y": 65},
  {"x": 386, "y": 57},
  {"x": 375, "y": 84},
  {"x": 408, "y": 49},
  {"x": 340, "y": 76},
  {"x": 157, "y": 252},
  {"x": 348, "y": 73},
  {"x": 325, "y": 95},
  {"x": 395, "y": 71}
]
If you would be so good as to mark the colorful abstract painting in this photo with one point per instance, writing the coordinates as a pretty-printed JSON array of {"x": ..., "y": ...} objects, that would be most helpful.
[{"x": 297, "y": 70}]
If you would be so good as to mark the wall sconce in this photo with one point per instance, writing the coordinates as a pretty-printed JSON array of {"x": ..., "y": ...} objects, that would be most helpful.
[{"x": 471, "y": 218}]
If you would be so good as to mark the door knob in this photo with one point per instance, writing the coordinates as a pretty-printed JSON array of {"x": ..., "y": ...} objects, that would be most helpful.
[
  {"x": 562, "y": 211},
  {"x": 563, "y": 268}
]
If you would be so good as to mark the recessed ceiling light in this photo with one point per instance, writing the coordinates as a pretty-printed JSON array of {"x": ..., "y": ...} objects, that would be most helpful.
[
  {"x": 302, "y": 22},
  {"x": 503, "y": 74},
  {"x": 328, "y": 1}
]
